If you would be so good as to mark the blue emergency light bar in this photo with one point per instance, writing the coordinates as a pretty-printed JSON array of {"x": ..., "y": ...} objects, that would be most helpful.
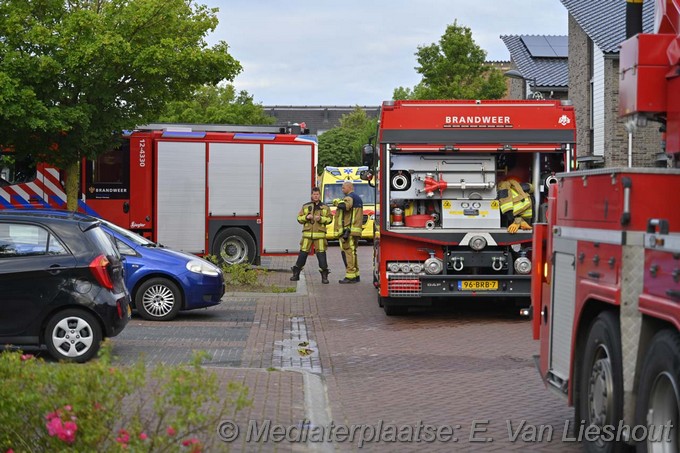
[
  {"x": 183, "y": 134},
  {"x": 254, "y": 136}
]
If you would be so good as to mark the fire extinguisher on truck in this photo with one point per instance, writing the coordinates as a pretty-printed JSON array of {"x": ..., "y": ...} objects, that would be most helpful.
[
  {"x": 606, "y": 276},
  {"x": 203, "y": 189},
  {"x": 459, "y": 184}
]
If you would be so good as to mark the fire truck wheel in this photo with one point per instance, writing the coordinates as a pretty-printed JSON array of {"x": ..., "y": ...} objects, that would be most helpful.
[
  {"x": 158, "y": 299},
  {"x": 600, "y": 384},
  {"x": 234, "y": 246},
  {"x": 658, "y": 398}
]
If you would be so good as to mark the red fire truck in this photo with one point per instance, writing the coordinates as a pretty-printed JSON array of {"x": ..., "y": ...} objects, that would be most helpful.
[
  {"x": 231, "y": 191},
  {"x": 440, "y": 233},
  {"x": 606, "y": 279}
]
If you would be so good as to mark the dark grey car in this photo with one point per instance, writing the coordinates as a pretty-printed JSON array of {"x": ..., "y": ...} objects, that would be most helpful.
[{"x": 61, "y": 284}]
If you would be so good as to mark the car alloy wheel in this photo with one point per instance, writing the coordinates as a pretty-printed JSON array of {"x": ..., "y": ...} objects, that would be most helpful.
[
  {"x": 73, "y": 335},
  {"x": 158, "y": 299}
]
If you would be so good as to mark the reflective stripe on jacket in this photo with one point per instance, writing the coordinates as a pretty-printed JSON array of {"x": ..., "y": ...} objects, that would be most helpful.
[
  {"x": 512, "y": 196},
  {"x": 352, "y": 216},
  {"x": 314, "y": 229}
]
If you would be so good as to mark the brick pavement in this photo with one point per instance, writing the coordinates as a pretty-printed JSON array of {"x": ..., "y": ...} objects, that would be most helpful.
[
  {"x": 440, "y": 367},
  {"x": 339, "y": 358}
]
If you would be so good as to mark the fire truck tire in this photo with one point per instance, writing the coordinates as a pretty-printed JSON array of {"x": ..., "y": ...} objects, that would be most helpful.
[
  {"x": 600, "y": 396},
  {"x": 158, "y": 299},
  {"x": 234, "y": 246},
  {"x": 658, "y": 396}
]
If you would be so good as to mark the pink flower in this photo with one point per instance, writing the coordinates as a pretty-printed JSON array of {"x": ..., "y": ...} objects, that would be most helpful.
[
  {"x": 194, "y": 443},
  {"x": 171, "y": 431},
  {"x": 65, "y": 431},
  {"x": 25, "y": 357},
  {"x": 54, "y": 426},
  {"x": 68, "y": 433},
  {"x": 143, "y": 436},
  {"x": 123, "y": 437}
]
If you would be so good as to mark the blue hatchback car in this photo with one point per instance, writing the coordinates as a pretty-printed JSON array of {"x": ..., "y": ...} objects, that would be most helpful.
[{"x": 162, "y": 281}]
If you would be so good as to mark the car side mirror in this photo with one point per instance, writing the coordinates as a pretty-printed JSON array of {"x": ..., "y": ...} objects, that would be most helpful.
[{"x": 367, "y": 155}]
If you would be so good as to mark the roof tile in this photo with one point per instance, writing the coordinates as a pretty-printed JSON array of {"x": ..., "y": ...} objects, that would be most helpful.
[
  {"x": 604, "y": 21},
  {"x": 548, "y": 72}
]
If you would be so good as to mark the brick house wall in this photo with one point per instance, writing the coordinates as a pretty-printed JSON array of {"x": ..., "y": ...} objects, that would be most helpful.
[
  {"x": 579, "y": 85},
  {"x": 646, "y": 140}
]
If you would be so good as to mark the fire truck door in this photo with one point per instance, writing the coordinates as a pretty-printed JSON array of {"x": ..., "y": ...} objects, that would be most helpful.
[
  {"x": 288, "y": 176},
  {"x": 563, "y": 297},
  {"x": 180, "y": 192},
  {"x": 107, "y": 185}
]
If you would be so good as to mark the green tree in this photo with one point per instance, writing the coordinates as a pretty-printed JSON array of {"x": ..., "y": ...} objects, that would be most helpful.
[
  {"x": 216, "y": 105},
  {"x": 454, "y": 69},
  {"x": 74, "y": 72},
  {"x": 341, "y": 146}
]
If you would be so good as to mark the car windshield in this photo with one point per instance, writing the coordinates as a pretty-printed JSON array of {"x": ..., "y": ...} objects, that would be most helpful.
[
  {"x": 332, "y": 191},
  {"x": 127, "y": 234}
]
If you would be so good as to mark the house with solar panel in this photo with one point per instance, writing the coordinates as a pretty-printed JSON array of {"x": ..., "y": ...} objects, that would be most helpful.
[
  {"x": 540, "y": 68},
  {"x": 596, "y": 30}
]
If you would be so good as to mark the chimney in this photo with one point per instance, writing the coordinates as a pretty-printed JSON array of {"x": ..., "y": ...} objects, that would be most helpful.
[{"x": 633, "y": 17}]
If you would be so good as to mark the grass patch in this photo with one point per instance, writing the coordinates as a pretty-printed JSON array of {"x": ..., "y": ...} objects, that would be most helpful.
[{"x": 250, "y": 279}]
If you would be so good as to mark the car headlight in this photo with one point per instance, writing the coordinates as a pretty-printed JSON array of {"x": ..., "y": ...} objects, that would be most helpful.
[{"x": 203, "y": 267}]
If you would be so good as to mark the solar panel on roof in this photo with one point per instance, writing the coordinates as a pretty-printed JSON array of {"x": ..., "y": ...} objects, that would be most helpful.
[{"x": 546, "y": 46}]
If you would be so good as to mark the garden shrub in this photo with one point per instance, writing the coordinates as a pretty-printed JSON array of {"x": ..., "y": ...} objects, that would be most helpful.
[{"x": 98, "y": 406}]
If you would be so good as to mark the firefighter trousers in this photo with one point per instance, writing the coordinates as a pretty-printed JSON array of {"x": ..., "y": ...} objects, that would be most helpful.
[
  {"x": 320, "y": 249},
  {"x": 349, "y": 248}
]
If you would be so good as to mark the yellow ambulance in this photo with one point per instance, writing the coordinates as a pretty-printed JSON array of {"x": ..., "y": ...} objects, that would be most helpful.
[{"x": 331, "y": 188}]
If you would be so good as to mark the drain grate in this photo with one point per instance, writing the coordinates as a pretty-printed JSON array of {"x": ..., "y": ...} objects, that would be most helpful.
[{"x": 297, "y": 351}]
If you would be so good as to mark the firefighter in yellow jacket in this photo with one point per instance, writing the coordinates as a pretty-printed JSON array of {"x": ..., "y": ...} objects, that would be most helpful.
[
  {"x": 348, "y": 224},
  {"x": 314, "y": 216},
  {"x": 515, "y": 200}
]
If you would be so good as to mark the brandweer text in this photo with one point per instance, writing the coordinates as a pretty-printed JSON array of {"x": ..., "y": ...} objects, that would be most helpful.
[{"x": 477, "y": 119}]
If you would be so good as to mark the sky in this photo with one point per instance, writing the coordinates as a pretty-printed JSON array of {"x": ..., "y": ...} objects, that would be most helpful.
[{"x": 351, "y": 52}]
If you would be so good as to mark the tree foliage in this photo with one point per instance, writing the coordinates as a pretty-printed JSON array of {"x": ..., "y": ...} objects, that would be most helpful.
[
  {"x": 216, "y": 105},
  {"x": 341, "y": 146},
  {"x": 454, "y": 68},
  {"x": 74, "y": 72}
]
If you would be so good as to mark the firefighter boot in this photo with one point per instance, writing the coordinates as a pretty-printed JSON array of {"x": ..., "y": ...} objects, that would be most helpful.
[
  {"x": 324, "y": 275},
  {"x": 323, "y": 267},
  {"x": 296, "y": 273},
  {"x": 299, "y": 264}
]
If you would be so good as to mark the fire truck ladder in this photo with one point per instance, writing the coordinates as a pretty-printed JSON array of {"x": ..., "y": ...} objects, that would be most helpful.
[{"x": 184, "y": 127}]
